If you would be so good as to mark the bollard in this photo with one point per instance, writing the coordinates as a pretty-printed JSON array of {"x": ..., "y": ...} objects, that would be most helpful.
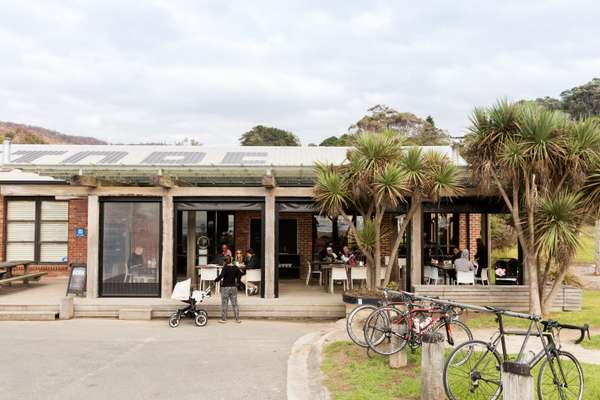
[
  {"x": 66, "y": 309},
  {"x": 400, "y": 359},
  {"x": 517, "y": 381},
  {"x": 432, "y": 367}
]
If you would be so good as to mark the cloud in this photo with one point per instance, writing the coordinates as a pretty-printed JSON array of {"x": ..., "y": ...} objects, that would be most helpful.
[{"x": 163, "y": 70}]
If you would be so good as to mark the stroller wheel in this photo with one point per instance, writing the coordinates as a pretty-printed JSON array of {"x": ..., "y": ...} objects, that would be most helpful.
[
  {"x": 174, "y": 320},
  {"x": 201, "y": 319}
]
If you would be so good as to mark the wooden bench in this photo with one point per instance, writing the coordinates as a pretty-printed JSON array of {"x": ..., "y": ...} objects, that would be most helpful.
[{"x": 25, "y": 278}]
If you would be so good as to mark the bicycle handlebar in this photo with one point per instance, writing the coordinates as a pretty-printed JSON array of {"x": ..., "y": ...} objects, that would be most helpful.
[{"x": 583, "y": 330}]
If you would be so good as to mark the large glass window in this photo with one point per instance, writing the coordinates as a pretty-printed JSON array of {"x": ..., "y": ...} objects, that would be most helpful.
[
  {"x": 37, "y": 230},
  {"x": 131, "y": 244}
]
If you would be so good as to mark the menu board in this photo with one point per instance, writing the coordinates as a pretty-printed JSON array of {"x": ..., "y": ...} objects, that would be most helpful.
[{"x": 77, "y": 279}]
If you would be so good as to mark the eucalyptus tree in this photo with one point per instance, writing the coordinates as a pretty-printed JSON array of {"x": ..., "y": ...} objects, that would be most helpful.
[
  {"x": 379, "y": 174},
  {"x": 538, "y": 160}
]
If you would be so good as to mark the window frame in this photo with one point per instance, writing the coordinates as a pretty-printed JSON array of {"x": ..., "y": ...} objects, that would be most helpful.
[{"x": 37, "y": 239}]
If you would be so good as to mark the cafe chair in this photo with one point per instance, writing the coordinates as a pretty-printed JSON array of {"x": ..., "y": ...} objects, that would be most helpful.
[
  {"x": 208, "y": 274},
  {"x": 434, "y": 276},
  {"x": 387, "y": 261},
  {"x": 357, "y": 273},
  {"x": 382, "y": 272},
  {"x": 312, "y": 272},
  {"x": 338, "y": 274},
  {"x": 466, "y": 277},
  {"x": 130, "y": 272},
  {"x": 483, "y": 279},
  {"x": 252, "y": 275}
]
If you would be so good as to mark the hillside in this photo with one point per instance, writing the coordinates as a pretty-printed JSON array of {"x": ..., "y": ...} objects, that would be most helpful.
[{"x": 26, "y": 134}]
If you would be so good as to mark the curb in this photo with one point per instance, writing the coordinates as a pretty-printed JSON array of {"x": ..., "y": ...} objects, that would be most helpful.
[{"x": 304, "y": 374}]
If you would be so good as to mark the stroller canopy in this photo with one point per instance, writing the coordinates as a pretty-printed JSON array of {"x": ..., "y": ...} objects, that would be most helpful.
[{"x": 181, "y": 291}]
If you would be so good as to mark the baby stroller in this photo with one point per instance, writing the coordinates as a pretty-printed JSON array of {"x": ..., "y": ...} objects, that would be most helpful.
[{"x": 181, "y": 291}]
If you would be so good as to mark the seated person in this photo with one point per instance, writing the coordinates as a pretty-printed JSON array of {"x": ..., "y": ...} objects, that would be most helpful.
[
  {"x": 463, "y": 263},
  {"x": 239, "y": 259},
  {"x": 330, "y": 256},
  {"x": 136, "y": 259},
  {"x": 347, "y": 256},
  {"x": 250, "y": 263},
  {"x": 455, "y": 256}
]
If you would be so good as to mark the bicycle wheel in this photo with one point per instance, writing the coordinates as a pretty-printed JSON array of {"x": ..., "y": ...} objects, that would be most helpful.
[
  {"x": 355, "y": 324},
  {"x": 560, "y": 378},
  {"x": 459, "y": 332},
  {"x": 473, "y": 371},
  {"x": 386, "y": 331}
]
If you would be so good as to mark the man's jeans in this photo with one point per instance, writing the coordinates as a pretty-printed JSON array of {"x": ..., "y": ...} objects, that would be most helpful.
[{"x": 229, "y": 294}]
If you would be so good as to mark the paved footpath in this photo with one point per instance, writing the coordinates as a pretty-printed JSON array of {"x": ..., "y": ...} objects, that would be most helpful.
[{"x": 110, "y": 359}]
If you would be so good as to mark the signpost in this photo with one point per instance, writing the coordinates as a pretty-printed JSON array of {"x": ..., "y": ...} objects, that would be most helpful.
[{"x": 77, "y": 279}]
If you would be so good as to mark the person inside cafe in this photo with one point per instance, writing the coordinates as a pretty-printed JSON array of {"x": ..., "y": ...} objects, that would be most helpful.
[
  {"x": 238, "y": 261},
  {"x": 455, "y": 256},
  {"x": 250, "y": 263},
  {"x": 136, "y": 259},
  {"x": 330, "y": 256},
  {"x": 323, "y": 252},
  {"x": 464, "y": 264},
  {"x": 348, "y": 257},
  {"x": 481, "y": 257},
  {"x": 230, "y": 276}
]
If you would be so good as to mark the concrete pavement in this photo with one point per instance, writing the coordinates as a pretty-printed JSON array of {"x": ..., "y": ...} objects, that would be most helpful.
[{"x": 110, "y": 359}]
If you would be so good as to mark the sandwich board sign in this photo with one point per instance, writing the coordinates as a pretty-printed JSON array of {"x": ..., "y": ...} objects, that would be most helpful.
[{"x": 77, "y": 279}]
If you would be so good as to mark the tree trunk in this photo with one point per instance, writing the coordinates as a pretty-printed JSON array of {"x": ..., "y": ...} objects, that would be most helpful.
[
  {"x": 547, "y": 302},
  {"x": 396, "y": 245},
  {"x": 535, "y": 306},
  {"x": 597, "y": 269}
]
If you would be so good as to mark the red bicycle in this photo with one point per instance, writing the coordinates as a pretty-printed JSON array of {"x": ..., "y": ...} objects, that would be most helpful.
[{"x": 389, "y": 329}]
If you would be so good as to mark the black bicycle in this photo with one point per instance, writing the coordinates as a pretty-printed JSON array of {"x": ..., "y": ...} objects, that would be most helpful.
[{"x": 473, "y": 370}]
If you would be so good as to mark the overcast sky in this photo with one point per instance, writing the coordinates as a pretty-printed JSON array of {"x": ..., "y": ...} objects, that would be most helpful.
[{"x": 140, "y": 71}]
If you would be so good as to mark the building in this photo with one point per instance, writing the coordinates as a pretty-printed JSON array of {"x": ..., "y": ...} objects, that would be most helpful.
[{"x": 176, "y": 205}]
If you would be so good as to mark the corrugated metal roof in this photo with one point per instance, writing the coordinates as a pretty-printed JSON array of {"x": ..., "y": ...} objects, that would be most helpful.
[{"x": 174, "y": 156}]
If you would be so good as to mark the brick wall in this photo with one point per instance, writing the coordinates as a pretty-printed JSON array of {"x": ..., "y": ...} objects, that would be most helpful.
[
  {"x": 77, "y": 248},
  {"x": 469, "y": 233},
  {"x": 78, "y": 214},
  {"x": 304, "y": 234}
]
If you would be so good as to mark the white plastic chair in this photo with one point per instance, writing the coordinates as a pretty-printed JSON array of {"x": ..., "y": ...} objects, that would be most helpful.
[
  {"x": 387, "y": 261},
  {"x": 311, "y": 272},
  {"x": 252, "y": 275},
  {"x": 466, "y": 277},
  {"x": 338, "y": 274},
  {"x": 382, "y": 272},
  {"x": 483, "y": 279},
  {"x": 208, "y": 274},
  {"x": 358, "y": 273},
  {"x": 434, "y": 276},
  {"x": 427, "y": 273}
]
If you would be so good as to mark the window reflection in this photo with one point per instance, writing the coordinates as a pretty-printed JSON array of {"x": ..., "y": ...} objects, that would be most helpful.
[{"x": 130, "y": 251}]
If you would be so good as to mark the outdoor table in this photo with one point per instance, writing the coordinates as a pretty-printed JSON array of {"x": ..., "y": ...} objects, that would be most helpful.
[
  {"x": 10, "y": 265},
  {"x": 444, "y": 269},
  {"x": 326, "y": 267}
]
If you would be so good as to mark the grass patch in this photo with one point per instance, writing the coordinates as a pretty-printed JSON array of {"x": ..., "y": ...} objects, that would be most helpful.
[
  {"x": 592, "y": 344},
  {"x": 589, "y": 314},
  {"x": 351, "y": 375}
]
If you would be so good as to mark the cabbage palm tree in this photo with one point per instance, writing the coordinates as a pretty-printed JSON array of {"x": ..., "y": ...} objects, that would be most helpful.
[
  {"x": 379, "y": 174},
  {"x": 530, "y": 155}
]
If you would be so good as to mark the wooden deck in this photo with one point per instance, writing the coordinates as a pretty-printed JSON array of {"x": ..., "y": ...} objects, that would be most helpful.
[{"x": 511, "y": 297}]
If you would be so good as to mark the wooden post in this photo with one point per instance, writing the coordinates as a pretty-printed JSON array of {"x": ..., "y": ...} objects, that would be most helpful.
[
  {"x": 93, "y": 243},
  {"x": 400, "y": 359},
  {"x": 269, "y": 245},
  {"x": 191, "y": 245},
  {"x": 416, "y": 248},
  {"x": 167, "y": 246},
  {"x": 432, "y": 367},
  {"x": 517, "y": 381}
]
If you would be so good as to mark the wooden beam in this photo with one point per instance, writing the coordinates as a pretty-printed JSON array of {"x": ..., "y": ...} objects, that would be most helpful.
[
  {"x": 163, "y": 181},
  {"x": 84, "y": 180}
]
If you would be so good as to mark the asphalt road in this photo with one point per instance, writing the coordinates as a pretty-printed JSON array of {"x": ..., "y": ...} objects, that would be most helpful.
[{"x": 110, "y": 359}]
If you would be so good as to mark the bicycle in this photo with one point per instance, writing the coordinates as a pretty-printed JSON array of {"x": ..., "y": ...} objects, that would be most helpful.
[
  {"x": 473, "y": 369},
  {"x": 355, "y": 321},
  {"x": 388, "y": 330}
]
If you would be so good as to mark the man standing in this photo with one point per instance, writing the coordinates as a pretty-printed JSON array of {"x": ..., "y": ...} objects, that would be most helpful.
[
  {"x": 481, "y": 257},
  {"x": 230, "y": 277}
]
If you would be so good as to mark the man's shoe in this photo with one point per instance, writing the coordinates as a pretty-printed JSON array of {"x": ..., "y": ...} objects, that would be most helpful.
[
  {"x": 222, "y": 321},
  {"x": 239, "y": 321}
]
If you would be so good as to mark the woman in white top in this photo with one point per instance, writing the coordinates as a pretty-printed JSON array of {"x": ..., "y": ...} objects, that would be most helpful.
[{"x": 463, "y": 263}]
